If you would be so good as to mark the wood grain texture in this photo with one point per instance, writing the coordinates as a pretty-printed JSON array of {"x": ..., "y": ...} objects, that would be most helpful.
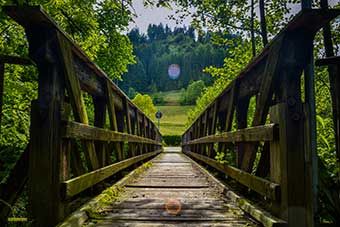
[
  {"x": 264, "y": 187},
  {"x": 87, "y": 132},
  {"x": 179, "y": 200},
  {"x": 76, "y": 185},
  {"x": 260, "y": 133}
]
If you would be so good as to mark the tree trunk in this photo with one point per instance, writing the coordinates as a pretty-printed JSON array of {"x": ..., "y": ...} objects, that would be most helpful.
[
  {"x": 252, "y": 33},
  {"x": 263, "y": 23}
]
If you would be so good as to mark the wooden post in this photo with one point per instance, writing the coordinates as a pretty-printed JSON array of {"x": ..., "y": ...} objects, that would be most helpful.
[
  {"x": 291, "y": 118},
  {"x": 278, "y": 164},
  {"x": 242, "y": 121},
  {"x": 120, "y": 123},
  {"x": 113, "y": 120},
  {"x": 99, "y": 121},
  {"x": 46, "y": 160}
]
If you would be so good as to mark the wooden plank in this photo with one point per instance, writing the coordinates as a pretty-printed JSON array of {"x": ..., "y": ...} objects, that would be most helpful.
[
  {"x": 121, "y": 127},
  {"x": 100, "y": 121},
  {"x": 14, "y": 185},
  {"x": 259, "y": 133},
  {"x": 113, "y": 118},
  {"x": 263, "y": 100},
  {"x": 242, "y": 122},
  {"x": 79, "y": 184},
  {"x": 77, "y": 101},
  {"x": 263, "y": 187},
  {"x": 334, "y": 60},
  {"x": 231, "y": 104},
  {"x": 15, "y": 60},
  {"x": 86, "y": 132},
  {"x": 212, "y": 131}
]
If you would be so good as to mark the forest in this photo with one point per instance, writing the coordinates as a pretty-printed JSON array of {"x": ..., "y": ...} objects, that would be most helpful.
[
  {"x": 219, "y": 43},
  {"x": 160, "y": 47}
]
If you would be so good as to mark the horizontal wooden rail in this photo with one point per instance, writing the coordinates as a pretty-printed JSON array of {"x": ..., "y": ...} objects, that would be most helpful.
[
  {"x": 335, "y": 60},
  {"x": 259, "y": 133},
  {"x": 263, "y": 187},
  {"x": 77, "y": 130},
  {"x": 15, "y": 60},
  {"x": 76, "y": 185}
]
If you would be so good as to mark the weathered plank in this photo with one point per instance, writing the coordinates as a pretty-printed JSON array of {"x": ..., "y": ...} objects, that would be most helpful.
[
  {"x": 241, "y": 122},
  {"x": 334, "y": 60},
  {"x": 263, "y": 187},
  {"x": 263, "y": 100},
  {"x": 15, "y": 60},
  {"x": 100, "y": 121},
  {"x": 113, "y": 118},
  {"x": 79, "y": 184},
  {"x": 259, "y": 133},
  {"x": 77, "y": 101},
  {"x": 205, "y": 206},
  {"x": 87, "y": 132}
]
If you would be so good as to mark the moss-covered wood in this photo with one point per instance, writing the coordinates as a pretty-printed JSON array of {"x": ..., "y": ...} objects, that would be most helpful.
[
  {"x": 264, "y": 187},
  {"x": 74, "y": 186}
]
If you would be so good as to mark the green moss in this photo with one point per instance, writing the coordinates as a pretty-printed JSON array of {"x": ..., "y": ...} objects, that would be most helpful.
[{"x": 110, "y": 195}]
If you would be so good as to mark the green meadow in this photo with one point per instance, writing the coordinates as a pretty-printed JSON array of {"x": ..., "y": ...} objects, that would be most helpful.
[{"x": 174, "y": 115}]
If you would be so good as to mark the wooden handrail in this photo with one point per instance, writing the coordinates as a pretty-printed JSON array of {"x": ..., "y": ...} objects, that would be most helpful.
[
  {"x": 281, "y": 170},
  {"x": 253, "y": 134},
  {"x": 67, "y": 154}
]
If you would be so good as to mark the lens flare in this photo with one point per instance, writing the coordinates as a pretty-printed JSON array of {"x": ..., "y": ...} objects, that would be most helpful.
[
  {"x": 173, "y": 206},
  {"x": 174, "y": 71}
]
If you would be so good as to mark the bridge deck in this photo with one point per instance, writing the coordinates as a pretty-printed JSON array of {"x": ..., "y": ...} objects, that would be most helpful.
[{"x": 173, "y": 191}]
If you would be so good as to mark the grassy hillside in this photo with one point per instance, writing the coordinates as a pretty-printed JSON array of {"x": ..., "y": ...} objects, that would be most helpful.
[
  {"x": 174, "y": 115},
  {"x": 171, "y": 98},
  {"x": 173, "y": 119}
]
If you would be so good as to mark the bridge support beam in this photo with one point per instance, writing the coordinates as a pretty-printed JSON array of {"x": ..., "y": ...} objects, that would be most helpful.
[{"x": 47, "y": 160}]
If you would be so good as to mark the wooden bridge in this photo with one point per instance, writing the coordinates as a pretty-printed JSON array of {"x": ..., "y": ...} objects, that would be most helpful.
[{"x": 272, "y": 178}]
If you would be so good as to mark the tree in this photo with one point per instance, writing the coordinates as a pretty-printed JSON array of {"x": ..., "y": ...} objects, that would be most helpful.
[
  {"x": 194, "y": 90},
  {"x": 144, "y": 102}
]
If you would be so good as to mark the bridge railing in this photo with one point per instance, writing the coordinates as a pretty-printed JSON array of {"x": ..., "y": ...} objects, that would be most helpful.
[
  {"x": 68, "y": 152},
  {"x": 273, "y": 152}
]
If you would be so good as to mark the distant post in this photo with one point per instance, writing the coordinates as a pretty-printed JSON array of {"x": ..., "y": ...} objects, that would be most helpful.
[{"x": 158, "y": 115}]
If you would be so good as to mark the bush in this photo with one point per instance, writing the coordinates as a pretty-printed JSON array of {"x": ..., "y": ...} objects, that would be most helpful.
[
  {"x": 131, "y": 93},
  {"x": 158, "y": 98},
  {"x": 194, "y": 90},
  {"x": 172, "y": 140},
  {"x": 144, "y": 102}
]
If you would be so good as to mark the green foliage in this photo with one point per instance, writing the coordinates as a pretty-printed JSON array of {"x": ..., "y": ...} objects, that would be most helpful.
[
  {"x": 239, "y": 55},
  {"x": 144, "y": 102},
  {"x": 158, "y": 98},
  {"x": 131, "y": 93},
  {"x": 96, "y": 26},
  {"x": 172, "y": 140},
  {"x": 189, "y": 95},
  {"x": 160, "y": 48}
]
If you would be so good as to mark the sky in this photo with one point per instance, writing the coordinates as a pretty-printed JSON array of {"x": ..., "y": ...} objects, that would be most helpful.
[{"x": 154, "y": 15}]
